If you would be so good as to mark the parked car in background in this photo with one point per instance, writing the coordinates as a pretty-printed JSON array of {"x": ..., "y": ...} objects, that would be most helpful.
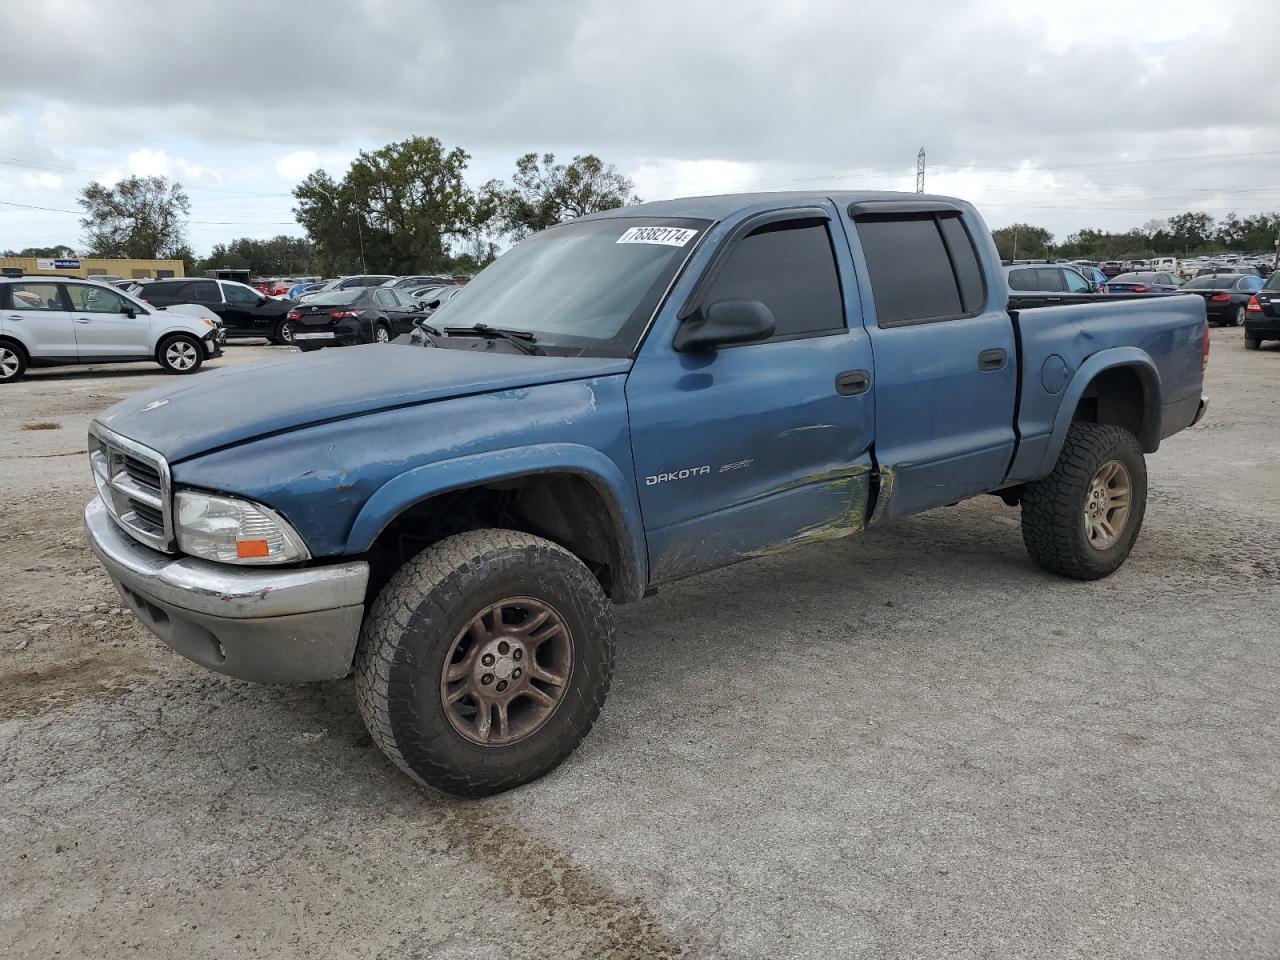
[
  {"x": 245, "y": 312},
  {"x": 55, "y": 321},
  {"x": 1226, "y": 295},
  {"x": 1262, "y": 314},
  {"x": 1046, "y": 278},
  {"x": 434, "y": 301},
  {"x": 1237, "y": 268},
  {"x": 408, "y": 283},
  {"x": 306, "y": 286},
  {"x": 355, "y": 315},
  {"x": 1091, "y": 273},
  {"x": 348, "y": 283},
  {"x": 1144, "y": 282},
  {"x": 1111, "y": 268}
]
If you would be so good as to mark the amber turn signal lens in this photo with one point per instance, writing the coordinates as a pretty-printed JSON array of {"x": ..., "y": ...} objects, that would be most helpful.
[{"x": 252, "y": 548}]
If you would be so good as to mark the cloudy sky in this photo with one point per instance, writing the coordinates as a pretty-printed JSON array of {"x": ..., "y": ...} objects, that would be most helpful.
[{"x": 1065, "y": 115}]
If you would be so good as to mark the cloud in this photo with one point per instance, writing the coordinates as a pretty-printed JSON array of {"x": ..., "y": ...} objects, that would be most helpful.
[
  {"x": 149, "y": 163},
  {"x": 296, "y": 165},
  {"x": 1017, "y": 104}
]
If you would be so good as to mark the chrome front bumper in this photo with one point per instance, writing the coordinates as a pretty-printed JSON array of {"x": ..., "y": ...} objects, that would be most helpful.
[{"x": 269, "y": 625}]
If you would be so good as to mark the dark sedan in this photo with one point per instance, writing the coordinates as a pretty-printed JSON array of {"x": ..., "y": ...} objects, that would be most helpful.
[
  {"x": 1262, "y": 314},
  {"x": 1145, "y": 282},
  {"x": 1226, "y": 295},
  {"x": 355, "y": 315}
]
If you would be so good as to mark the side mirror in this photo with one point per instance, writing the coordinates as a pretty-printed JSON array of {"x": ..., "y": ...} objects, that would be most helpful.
[
  {"x": 723, "y": 323},
  {"x": 128, "y": 311},
  {"x": 262, "y": 300}
]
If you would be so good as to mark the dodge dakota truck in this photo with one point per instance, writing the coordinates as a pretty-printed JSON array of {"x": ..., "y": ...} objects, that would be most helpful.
[{"x": 616, "y": 403}]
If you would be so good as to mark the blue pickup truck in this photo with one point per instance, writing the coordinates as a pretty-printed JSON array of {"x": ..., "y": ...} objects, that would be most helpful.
[{"x": 616, "y": 403}]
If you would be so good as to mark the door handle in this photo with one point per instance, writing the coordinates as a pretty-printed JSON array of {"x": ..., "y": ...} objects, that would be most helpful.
[
  {"x": 83, "y": 320},
  {"x": 851, "y": 383},
  {"x": 993, "y": 359},
  {"x": 11, "y": 317}
]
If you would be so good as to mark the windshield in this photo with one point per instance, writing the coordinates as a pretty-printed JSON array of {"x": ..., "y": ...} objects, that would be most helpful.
[
  {"x": 590, "y": 286},
  {"x": 1134, "y": 278}
]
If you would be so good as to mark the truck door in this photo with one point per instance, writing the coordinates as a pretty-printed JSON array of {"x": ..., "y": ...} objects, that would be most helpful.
[
  {"x": 748, "y": 447},
  {"x": 945, "y": 357}
]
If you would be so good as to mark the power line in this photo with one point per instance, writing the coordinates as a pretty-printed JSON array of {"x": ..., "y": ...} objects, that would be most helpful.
[{"x": 206, "y": 223}]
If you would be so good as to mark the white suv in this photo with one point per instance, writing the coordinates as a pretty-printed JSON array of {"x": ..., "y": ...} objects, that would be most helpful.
[{"x": 50, "y": 321}]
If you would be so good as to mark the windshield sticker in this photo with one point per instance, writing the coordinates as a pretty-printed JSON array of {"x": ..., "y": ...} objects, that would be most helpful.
[{"x": 669, "y": 236}]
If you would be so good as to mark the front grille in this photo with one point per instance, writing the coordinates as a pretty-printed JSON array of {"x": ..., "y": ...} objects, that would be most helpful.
[{"x": 133, "y": 482}]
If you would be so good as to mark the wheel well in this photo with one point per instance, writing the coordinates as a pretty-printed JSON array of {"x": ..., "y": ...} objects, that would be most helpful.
[
  {"x": 1123, "y": 397},
  {"x": 10, "y": 341},
  {"x": 565, "y": 508}
]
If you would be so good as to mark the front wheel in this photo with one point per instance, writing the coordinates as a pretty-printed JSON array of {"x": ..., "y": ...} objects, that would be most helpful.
[
  {"x": 283, "y": 333},
  {"x": 13, "y": 363},
  {"x": 181, "y": 353},
  {"x": 484, "y": 661},
  {"x": 1082, "y": 519}
]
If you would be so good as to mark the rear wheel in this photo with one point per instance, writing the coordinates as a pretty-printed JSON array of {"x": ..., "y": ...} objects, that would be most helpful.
[
  {"x": 13, "y": 362},
  {"x": 381, "y": 333},
  {"x": 1252, "y": 344},
  {"x": 1082, "y": 519},
  {"x": 181, "y": 353},
  {"x": 484, "y": 661},
  {"x": 1239, "y": 318}
]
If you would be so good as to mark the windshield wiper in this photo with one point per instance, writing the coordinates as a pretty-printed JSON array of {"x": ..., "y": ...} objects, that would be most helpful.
[{"x": 522, "y": 339}]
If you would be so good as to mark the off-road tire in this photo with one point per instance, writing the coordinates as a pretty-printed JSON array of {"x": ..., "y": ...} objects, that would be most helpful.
[
  {"x": 1252, "y": 344},
  {"x": 1053, "y": 525},
  {"x": 410, "y": 629},
  {"x": 164, "y": 358},
  {"x": 13, "y": 362}
]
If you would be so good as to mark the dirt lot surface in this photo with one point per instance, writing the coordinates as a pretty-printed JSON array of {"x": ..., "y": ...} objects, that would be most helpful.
[{"x": 911, "y": 743}]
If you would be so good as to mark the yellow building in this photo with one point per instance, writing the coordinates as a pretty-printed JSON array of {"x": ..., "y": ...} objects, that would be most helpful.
[{"x": 91, "y": 267}]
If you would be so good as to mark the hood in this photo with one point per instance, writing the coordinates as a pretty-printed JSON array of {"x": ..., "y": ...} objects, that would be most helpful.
[{"x": 216, "y": 408}]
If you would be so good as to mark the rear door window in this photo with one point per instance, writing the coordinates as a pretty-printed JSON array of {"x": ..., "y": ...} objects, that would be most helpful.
[
  {"x": 790, "y": 267},
  {"x": 1023, "y": 280},
  {"x": 1050, "y": 279},
  {"x": 34, "y": 296},
  {"x": 923, "y": 267}
]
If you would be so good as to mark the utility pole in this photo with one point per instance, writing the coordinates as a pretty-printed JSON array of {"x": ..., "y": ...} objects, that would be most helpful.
[
  {"x": 1275, "y": 261},
  {"x": 920, "y": 171}
]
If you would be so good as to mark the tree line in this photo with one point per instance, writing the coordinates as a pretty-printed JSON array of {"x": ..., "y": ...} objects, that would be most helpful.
[
  {"x": 1186, "y": 234},
  {"x": 408, "y": 207},
  {"x": 402, "y": 209}
]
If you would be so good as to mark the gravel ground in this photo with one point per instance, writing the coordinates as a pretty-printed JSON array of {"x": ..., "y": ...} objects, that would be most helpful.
[{"x": 910, "y": 743}]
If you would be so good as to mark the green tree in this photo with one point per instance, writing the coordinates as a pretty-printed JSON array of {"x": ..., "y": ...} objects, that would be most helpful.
[
  {"x": 399, "y": 209},
  {"x": 142, "y": 217},
  {"x": 1190, "y": 230},
  {"x": 281, "y": 255},
  {"x": 543, "y": 193},
  {"x": 61, "y": 250},
  {"x": 1022, "y": 241}
]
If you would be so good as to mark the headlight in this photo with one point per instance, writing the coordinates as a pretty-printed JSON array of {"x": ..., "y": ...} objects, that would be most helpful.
[{"x": 231, "y": 530}]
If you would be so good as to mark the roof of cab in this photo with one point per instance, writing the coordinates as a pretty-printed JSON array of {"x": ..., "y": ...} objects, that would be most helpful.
[{"x": 723, "y": 205}]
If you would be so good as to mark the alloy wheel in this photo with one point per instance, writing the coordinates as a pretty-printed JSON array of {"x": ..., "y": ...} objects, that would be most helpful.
[
  {"x": 286, "y": 332},
  {"x": 181, "y": 355},
  {"x": 1107, "y": 508},
  {"x": 9, "y": 364},
  {"x": 381, "y": 335},
  {"x": 507, "y": 671},
  {"x": 1240, "y": 317}
]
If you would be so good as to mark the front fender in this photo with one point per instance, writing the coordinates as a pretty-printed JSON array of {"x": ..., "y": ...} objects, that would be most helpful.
[
  {"x": 420, "y": 483},
  {"x": 1152, "y": 398}
]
